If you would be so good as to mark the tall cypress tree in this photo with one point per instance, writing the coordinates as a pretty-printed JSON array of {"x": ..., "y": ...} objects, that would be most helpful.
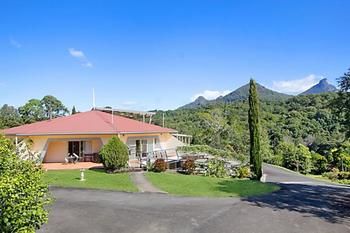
[{"x": 254, "y": 130}]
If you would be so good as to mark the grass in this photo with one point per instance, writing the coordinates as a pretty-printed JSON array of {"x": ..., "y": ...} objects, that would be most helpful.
[
  {"x": 191, "y": 185},
  {"x": 95, "y": 179},
  {"x": 322, "y": 178}
]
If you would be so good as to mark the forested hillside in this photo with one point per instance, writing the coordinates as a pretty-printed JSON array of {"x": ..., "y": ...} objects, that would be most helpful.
[{"x": 299, "y": 123}]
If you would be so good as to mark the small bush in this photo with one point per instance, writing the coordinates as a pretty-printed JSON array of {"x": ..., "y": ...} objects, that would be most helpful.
[
  {"x": 216, "y": 167},
  {"x": 336, "y": 175},
  {"x": 114, "y": 155},
  {"x": 159, "y": 165},
  {"x": 23, "y": 194},
  {"x": 243, "y": 172},
  {"x": 332, "y": 175},
  {"x": 344, "y": 176},
  {"x": 189, "y": 166}
]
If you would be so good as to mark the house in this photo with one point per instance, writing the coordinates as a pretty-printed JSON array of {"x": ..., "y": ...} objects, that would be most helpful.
[{"x": 85, "y": 133}]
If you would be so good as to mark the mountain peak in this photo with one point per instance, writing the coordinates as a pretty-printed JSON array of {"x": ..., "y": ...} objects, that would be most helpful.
[
  {"x": 239, "y": 94},
  {"x": 323, "y": 81},
  {"x": 200, "y": 98},
  {"x": 322, "y": 86}
]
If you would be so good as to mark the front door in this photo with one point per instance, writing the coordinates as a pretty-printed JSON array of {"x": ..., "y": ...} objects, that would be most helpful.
[
  {"x": 141, "y": 148},
  {"x": 74, "y": 148}
]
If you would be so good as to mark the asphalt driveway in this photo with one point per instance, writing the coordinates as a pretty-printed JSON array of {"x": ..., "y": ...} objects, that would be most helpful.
[{"x": 302, "y": 205}]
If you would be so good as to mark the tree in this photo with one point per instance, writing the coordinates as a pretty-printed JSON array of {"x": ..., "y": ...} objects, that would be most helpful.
[
  {"x": 74, "y": 111},
  {"x": 303, "y": 156},
  {"x": 32, "y": 111},
  {"x": 254, "y": 131},
  {"x": 114, "y": 154},
  {"x": 23, "y": 194},
  {"x": 53, "y": 107},
  {"x": 296, "y": 158},
  {"x": 343, "y": 101},
  {"x": 319, "y": 163},
  {"x": 9, "y": 117}
]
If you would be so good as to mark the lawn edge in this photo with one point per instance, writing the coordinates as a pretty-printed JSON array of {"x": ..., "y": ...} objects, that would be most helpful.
[{"x": 210, "y": 197}]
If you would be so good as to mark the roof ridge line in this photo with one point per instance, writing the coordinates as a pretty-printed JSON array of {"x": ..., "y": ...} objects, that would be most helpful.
[{"x": 107, "y": 122}]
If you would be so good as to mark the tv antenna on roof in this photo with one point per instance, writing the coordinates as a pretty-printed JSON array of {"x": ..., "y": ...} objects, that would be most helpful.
[{"x": 93, "y": 99}]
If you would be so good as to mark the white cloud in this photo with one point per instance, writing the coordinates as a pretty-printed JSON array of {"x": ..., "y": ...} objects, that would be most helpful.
[
  {"x": 297, "y": 85},
  {"x": 76, "y": 53},
  {"x": 210, "y": 95},
  {"x": 80, "y": 56},
  {"x": 87, "y": 64},
  {"x": 15, "y": 43}
]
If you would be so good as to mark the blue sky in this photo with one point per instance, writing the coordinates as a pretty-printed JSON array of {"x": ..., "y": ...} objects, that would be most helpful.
[{"x": 161, "y": 54}]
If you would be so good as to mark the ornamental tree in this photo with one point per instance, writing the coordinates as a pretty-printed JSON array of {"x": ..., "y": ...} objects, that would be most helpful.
[
  {"x": 114, "y": 155},
  {"x": 254, "y": 130}
]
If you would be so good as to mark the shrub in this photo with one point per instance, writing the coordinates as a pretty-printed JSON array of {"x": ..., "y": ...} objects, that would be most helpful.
[
  {"x": 335, "y": 174},
  {"x": 114, "y": 155},
  {"x": 332, "y": 175},
  {"x": 159, "y": 165},
  {"x": 244, "y": 172},
  {"x": 216, "y": 167},
  {"x": 319, "y": 163},
  {"x": 297, "y": 158},
  {"x": 23, "y": 194},
  {"x": 344, "y": 176},
  {"x": 189, "y": 166}
]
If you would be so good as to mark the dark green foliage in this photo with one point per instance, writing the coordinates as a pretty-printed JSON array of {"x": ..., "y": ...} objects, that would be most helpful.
[
  {"x": 32, "y": 111},
  {"x": 53, "y": 107},
  {"x": 114, "y": 155},
  {"x": 319, "y": 163},
  {"x": 342, "y": 103},
  {"x": 23, "y": 194},
  {"x": 306, "y": 120},
  {"x": 74, "y": 111},
  {"x": 159, "y": 165},
  {"x": 189, "y": 166},
  {"x": 254, "y": 132},
  {"x": 9, "y": 117}
]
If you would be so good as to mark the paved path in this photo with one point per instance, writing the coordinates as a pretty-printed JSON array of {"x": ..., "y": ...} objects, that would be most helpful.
[
  {"x": 296, "y": 208},
  {"x": 143, "y": 184},
  {"x": 280, "y": 175}
]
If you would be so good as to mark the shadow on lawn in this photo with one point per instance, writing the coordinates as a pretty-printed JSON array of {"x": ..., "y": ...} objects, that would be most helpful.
[{"x": 329, "y": 203}]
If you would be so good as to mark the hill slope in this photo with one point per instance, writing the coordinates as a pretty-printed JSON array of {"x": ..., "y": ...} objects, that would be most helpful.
[
  {"x": 322, "y": 87},
  {"x": 199, "y": 102},
  {"x": 239, "y": 94}
]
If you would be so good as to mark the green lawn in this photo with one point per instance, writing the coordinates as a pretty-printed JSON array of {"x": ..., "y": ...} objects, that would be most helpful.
[
  {"x": 95, "y": 179},
  {"x": 320, "y": 177},
  {"x": 190, "y": 185}
]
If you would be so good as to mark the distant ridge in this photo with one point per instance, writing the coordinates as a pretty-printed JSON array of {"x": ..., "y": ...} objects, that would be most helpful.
[
  {"x": 322, "y": 87},
  {"x": 239, "y": 94},
  {"x": 199, "y": 102}
]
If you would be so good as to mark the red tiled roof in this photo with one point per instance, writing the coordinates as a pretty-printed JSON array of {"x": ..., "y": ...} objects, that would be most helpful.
[{"x": 92, "y": 122}]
